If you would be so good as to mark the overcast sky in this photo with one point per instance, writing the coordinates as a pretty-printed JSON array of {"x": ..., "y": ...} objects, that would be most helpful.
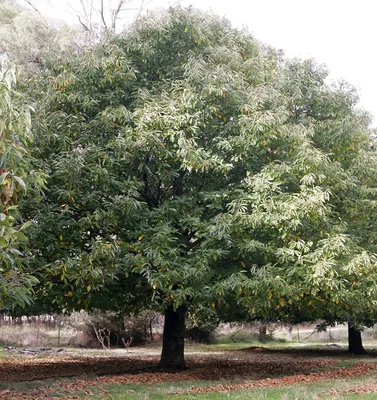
[{"x": 339, "y": 33}]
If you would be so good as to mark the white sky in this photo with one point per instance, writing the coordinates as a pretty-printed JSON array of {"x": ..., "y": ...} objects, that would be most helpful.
[{"x": 339, "y": 33}]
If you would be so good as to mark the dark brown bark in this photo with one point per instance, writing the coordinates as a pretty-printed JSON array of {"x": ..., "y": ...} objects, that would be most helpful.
[
  {"x": 173, "y": 341},
  {"x": 355, "y": 344},
  {"x": 262, "y": 329}
]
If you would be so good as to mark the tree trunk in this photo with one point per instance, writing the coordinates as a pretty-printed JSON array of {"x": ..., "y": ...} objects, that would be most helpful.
[
  {"x": 262, "y": 330},
  {"x": 173, "y": 341},
  {"x": 355, "y": 344},
  {"x": 289, "y": 335}
]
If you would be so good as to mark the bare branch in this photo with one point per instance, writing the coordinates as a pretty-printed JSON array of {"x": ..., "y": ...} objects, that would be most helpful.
[
  {"x": 32, "y": 6},
  {"x": 141, "y": 8},
  {"x": 176, "y": 3},
  {"x": 103, "y": 15},
  {"x": 82, "y": 23},
  {"x": 76, "y": 11},
  {"x": 85, "y": 12},
  {"x": 78, "y": 46},
  {"x": 87, "y": 24},
  {"x": 91, "y": 12},
  {"x": 117, "y": 11},
  {"x": 149, "y": 2}
]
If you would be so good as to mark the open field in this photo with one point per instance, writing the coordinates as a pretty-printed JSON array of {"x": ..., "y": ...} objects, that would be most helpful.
[{"x": 215, "y": 372}]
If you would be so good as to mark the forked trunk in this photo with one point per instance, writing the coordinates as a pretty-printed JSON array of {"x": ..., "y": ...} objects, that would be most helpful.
[
  {"x": 355, "y": 344},
  {"x": 173, "y": 341}
]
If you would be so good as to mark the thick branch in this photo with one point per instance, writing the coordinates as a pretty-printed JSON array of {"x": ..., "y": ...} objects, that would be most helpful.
[{"x": 178, "y": 184}]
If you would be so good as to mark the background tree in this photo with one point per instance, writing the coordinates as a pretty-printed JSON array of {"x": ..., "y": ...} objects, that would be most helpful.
[
  {"x": 343, "y": 132},
  {"x": 29, "y": 39},
  {"x": 97, "y": 16},
  {"x": 332, "y": 262}
]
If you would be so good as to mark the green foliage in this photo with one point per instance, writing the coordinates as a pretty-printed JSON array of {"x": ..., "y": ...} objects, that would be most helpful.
[
  {"x": 16, "y": 175},
  {"x": 191, "y": 164}
]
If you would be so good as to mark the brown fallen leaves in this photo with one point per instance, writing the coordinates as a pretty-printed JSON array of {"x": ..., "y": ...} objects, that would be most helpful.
[
  {"x": 365, "y": 389},
  {"x": 242, "y": 370},
  {"x": 18, "y": 369},
  {"x": 342, "y": 373}
]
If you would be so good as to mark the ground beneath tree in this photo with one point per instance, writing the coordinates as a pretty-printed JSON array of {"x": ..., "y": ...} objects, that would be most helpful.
[{"x": 232, "y": 370}]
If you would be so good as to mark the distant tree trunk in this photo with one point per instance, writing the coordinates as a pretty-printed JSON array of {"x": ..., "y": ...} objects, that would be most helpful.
[
  {"x": 59, "y": 326},
  {"x": 173, "y": 341},
  {"x": 289, "y": 335},
  {"x": 355, "y": 344},
  {"x": 151, "y": 328},
  {"x": 262, "y": 330}
]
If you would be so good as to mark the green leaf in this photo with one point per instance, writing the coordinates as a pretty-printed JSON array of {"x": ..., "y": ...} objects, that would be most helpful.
[{"x": 20, "y": 181}]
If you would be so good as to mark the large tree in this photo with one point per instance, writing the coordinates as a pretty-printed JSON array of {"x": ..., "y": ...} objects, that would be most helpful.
[{"x": 184, "y": 166}]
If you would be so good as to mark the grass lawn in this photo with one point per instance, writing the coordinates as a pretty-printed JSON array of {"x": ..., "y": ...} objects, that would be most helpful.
[{"x": 215, "y": 372}]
